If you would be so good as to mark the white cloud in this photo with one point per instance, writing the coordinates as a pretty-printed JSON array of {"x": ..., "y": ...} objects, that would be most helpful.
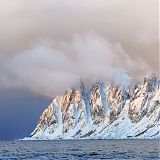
[{"x": 49, "y": 67}]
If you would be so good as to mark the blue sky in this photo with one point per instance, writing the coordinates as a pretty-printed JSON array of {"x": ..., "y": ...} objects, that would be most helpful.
[{"x": 19, "y": 112}]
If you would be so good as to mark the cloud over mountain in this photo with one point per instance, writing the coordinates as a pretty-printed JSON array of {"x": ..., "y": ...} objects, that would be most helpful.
[{"x": 47, "y": 46}]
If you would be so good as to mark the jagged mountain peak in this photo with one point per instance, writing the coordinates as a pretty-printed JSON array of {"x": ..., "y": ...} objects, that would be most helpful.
[
  {"x": 105, "y": 110},
  {"x": 151, "y": 83}
]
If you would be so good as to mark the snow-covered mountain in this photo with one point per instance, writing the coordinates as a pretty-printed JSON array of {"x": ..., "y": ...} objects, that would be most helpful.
[{"x": 107, "y": 110}]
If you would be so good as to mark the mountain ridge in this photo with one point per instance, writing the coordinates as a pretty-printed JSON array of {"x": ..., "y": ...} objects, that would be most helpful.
[{"x": 107, "y": 110}]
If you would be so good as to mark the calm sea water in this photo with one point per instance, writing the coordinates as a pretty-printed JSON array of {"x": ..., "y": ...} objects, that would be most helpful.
[{"x": 80, "y": 149}]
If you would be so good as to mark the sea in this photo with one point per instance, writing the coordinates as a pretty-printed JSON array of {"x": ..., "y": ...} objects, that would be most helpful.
[{"x": 80, "y": 150}]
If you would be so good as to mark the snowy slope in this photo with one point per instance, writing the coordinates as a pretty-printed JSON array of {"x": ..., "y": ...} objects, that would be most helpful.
[{"x": 107, "y": 110}]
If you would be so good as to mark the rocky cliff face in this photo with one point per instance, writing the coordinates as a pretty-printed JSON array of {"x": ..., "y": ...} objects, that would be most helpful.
[{"x": 106, "y": 110}]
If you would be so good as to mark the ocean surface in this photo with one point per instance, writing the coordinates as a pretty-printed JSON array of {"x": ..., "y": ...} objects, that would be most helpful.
[{"x": 80, "y": 149}]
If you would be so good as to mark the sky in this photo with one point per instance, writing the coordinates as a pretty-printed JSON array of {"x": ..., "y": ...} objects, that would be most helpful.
[{"x": 48, "y": 46}]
